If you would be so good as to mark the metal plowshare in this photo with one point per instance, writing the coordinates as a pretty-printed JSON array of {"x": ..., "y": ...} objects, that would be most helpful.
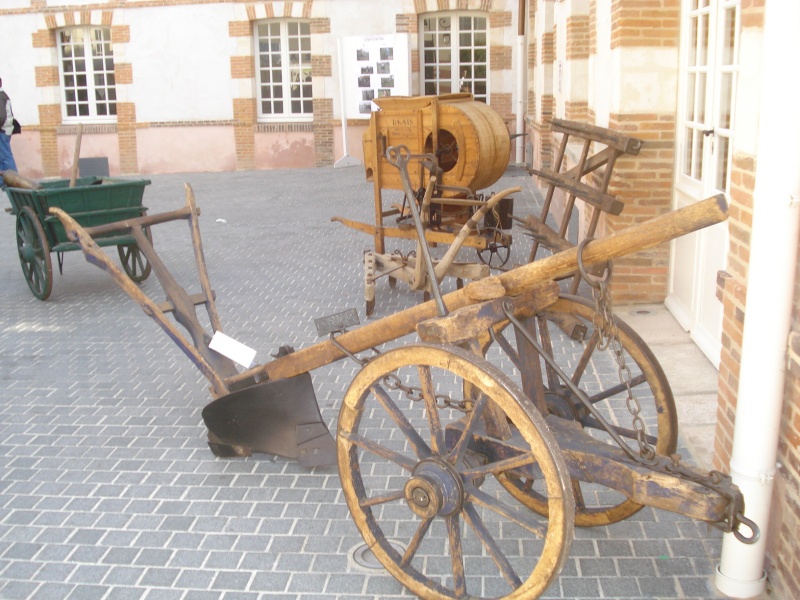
[{"x": 465, "y": 479}]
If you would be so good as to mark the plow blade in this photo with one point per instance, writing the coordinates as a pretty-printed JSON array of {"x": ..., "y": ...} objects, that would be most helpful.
[{"x": 274, "y": 417}]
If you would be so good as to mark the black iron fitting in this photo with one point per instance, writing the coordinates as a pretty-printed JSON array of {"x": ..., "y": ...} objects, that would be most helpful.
[{"x": 721, "y": 484}]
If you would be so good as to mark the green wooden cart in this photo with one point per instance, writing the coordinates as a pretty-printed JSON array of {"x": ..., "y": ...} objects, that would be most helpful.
[{"x": 91, "y": 201}]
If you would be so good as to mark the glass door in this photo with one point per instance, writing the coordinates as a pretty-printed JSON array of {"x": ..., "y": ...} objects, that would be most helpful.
[{"x": 709, "y": 67}]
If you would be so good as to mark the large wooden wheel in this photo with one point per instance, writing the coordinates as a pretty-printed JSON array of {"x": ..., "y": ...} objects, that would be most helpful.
[
  {"x": 414, "y": 469},
  {"x": 567, "y": 333},
  {"x": 34, "y": 253},
  {"x": 134, "y": 262}
]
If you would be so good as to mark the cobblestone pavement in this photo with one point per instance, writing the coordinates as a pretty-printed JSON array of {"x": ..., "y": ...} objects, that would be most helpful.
[{"x": 107, "y": 486}]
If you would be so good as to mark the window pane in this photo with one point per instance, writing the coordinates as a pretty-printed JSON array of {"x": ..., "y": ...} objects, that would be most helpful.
[
  {"x": 725, "y": 97},
  {"x": 723, "y": 147},
  {"x": 702, "y": 43},
  {"x": 687, "y": 152},
  {"x": 729, "y": 36},
  {"x": 701, "y": 97},
  {"x": 454, "y": 53},
  {"x": 697, "y": 163}
]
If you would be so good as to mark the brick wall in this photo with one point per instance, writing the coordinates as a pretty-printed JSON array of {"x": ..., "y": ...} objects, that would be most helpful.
[
  {"x": 644, "y": 184},
  {"x": 644, "y": 22}
]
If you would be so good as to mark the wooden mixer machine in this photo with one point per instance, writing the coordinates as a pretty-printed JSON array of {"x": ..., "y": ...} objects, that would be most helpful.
[{"x": 453, "y": 147}]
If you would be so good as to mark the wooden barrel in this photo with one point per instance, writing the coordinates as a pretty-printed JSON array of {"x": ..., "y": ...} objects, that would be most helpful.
[{"x": 470, "y": 140}]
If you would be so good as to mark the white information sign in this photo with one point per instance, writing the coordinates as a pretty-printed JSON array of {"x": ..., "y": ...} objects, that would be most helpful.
[{"x": 374, "y": 66}]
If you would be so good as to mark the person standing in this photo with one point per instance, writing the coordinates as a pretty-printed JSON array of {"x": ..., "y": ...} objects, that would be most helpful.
[{"x": 6, "y": 129}]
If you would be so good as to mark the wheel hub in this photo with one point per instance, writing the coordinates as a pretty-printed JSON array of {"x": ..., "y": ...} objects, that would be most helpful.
[
  {"x": 27, "y": 252},
  {"x": 434, "y": 489},
  {"x": 561, "y": 405}
]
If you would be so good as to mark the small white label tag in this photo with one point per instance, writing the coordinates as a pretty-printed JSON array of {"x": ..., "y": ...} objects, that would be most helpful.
[{"x": 230, "y": 348}]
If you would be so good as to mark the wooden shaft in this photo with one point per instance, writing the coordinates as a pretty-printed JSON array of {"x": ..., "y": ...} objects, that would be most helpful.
[
  {"x": 76, "y": 156},
  {"x": 143, "y": 221},
  {"x": 15, "y": 180},
  {"x": 638, "y": 237}
]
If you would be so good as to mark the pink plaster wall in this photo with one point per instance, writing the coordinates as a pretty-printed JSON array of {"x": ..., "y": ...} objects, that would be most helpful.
[
  {"x": 284, "y": 150},
  {"x": 185, "y": 149},
  {"x": 27, "y": 150},
  {"x": 92, "y": 146}
]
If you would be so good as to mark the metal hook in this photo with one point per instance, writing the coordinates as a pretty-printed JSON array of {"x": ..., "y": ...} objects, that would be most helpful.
[
  {"x": 592, "y": 280},
  {"x": 740, "y": 519}
]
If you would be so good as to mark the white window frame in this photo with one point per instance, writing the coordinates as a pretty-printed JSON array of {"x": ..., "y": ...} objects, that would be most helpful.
[
  {"x": 266, "y": 70},
  {"x": 450, "y": 52},
  {"x": 87, "y": 81}
]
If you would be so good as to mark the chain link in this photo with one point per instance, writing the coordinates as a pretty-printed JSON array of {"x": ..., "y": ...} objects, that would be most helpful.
[
  {"x": 606, "y": 326},
  {"x": 392, "y": 381}
]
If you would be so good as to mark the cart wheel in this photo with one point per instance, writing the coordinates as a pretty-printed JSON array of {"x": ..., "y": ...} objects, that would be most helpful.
[
  {"x": 495, "y": 255},
  {"x": 597, "y": 373},
  {"x": 34, "y": 253},
  {"x": 407, "y": 467},
  {"x": 134, "y": 262},
  {"x": 392, "y": 282},
  {"x": 369, "y": 309}
]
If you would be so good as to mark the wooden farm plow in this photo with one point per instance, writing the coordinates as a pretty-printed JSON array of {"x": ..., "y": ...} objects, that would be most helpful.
[{"x": 466, "y": 458}]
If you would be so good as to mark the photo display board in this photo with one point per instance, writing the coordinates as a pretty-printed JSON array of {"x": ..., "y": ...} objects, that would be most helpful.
[{"x": 375, "y": 66}]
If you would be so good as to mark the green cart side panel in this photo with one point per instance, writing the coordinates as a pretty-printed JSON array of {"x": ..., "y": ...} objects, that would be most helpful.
[{"x": 93, "y": 201}]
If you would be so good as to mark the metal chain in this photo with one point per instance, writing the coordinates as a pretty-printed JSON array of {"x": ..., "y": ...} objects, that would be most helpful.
[
  {"x": 392, "y": 381},
  {"x": 606, "y": 326}
]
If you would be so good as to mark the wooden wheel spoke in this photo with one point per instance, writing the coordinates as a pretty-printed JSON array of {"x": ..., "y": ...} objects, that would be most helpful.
[
  {"x": 456, "y": 556},
  {"x": 474, "y": 520},
  {"x": 434, "y": 422},
  {"x": 415, "y": 541},
  {"x": 577, "y": 492},
  {"x": 421, "y": 448},
  {"x": 553, "y": 380},
  {"x": 522, "y": 518},
  {"x": 473, "y": 419},
  {"x": 617, "y": 389},
  {"x": 371, "y": 446},
  {"x": 499, "y": 466},
  {"x": 382, "y": 499},
  {"x": 586, "y": 357},
  {"x": 36, "y": 274}
]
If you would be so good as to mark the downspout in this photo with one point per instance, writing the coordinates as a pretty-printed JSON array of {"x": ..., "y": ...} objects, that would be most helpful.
[
  {"x": 770, "y": 291},
  {"x": 522, "y": 92}
]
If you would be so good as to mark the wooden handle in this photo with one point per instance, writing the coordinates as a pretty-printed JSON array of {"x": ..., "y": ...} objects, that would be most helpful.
[{"x": 76, "y": 156}]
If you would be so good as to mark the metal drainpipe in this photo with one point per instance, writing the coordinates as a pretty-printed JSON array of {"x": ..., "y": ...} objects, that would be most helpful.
[
  {"x": 770, "y": 288},
  {"x": 522, "y": 93}
]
